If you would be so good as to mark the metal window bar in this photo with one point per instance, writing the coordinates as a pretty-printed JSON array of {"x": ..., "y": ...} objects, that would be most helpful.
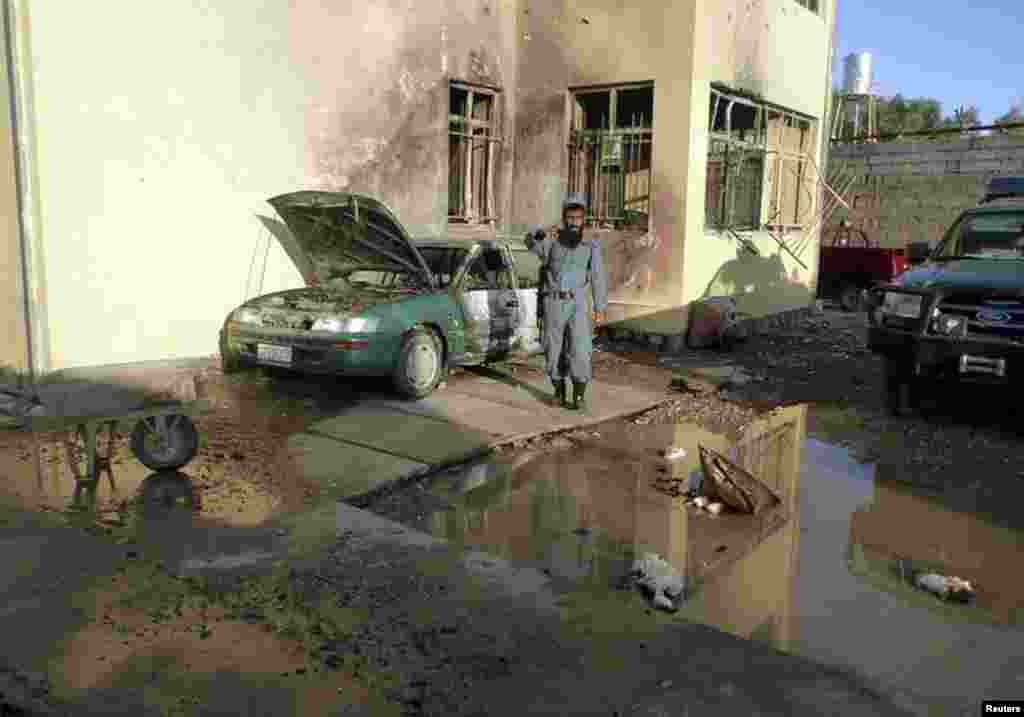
[
  {"x": 473, "y": 146},
  {"x": 734, "y": 184},
  {"x": 613, "y": 169}
]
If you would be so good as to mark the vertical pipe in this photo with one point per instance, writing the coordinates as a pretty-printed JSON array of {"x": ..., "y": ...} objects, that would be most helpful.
[{"x": 19, "y": 190}]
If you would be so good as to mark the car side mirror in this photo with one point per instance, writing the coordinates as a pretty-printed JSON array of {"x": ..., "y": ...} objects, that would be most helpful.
[{"x": 918, "y": 252}]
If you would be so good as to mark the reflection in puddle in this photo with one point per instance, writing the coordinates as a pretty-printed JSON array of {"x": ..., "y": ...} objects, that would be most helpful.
[
  {"x": 584, "y": 515},
  {"x": 35, "y": 474},
  {"x": 818, "y": 577}
]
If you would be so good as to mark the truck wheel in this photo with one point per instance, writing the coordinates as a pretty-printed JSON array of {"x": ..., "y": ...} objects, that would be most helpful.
[
  {"x": 901, "y": 399},
  {"x": 165, "y": 442},
  {"x": 849, "y": 297},
  {"x": 420, "y": 365}
]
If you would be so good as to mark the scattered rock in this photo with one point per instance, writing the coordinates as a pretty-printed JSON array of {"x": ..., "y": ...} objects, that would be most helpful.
[{"x": 659, "y": 578}]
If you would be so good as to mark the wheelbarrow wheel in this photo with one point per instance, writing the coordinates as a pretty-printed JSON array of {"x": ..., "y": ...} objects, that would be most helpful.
[{"x": 165, "y": 442}]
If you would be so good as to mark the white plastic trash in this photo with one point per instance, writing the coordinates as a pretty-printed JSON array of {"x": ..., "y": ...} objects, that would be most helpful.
[
  {"x": 946, "y": 587},
  {"x": 674, "y": 453}
]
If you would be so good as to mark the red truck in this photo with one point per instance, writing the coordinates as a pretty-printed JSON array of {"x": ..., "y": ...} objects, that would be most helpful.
[{"x": 851, "y": 263}]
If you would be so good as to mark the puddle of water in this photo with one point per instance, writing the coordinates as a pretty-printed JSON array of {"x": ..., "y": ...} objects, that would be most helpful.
[{"x": 819, "y": 579}]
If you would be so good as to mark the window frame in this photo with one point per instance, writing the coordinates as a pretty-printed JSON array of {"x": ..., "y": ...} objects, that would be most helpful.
[
  {"x": 628, "y": 147},
  {"x": 472, "y": 209},
  {"x": 761, "y": 148}
]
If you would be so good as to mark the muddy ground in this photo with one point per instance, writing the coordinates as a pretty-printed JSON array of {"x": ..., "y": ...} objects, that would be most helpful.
[{"x": 390, "y": 632}]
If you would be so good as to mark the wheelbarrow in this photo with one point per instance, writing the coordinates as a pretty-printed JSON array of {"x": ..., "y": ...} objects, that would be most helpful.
[{"x": 164, "y": 438}]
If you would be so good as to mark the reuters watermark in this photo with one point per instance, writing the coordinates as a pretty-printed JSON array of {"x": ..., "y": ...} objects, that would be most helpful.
[{"x": 1002, "y": 707}]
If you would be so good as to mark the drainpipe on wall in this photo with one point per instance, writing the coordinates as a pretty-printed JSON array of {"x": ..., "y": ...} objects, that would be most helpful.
[{"x": 22, "y": 199}]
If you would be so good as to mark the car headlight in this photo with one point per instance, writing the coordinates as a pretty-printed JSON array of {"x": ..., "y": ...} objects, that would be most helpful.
[
  {"x": 351, "y": 325},
  {"x": 247, "y": 316},
  {"x": 907, "y": 306},
  {"x": 950, "y": 325}
]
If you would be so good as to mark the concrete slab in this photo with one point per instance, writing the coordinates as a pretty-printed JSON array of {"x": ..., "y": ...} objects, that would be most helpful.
[
  {"x": 488, "y": 416},
  {"x": 711, "y": 378},
  {"x": 533, "y": 393},
  {"x": 384, "y": 439},
  {"x": 414, "y": 438},
  {"x": 345, "y": 470}
]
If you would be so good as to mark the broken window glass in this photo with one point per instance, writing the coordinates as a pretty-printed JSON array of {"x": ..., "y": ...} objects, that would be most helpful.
[
  {"x": 758, "y": 161},
  {"x": 473, "y": 141},
  {"x": 610, "y": 152}
]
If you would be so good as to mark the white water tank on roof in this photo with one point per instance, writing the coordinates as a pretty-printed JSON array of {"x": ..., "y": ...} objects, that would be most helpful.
[{"x": 857, "y": 74}]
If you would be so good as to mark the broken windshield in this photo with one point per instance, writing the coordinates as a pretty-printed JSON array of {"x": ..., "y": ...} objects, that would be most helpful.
[{"x": 986, "y": 236}]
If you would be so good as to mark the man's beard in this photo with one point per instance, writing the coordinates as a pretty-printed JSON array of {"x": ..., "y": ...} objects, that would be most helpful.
[{"x": 573, "y": 235}]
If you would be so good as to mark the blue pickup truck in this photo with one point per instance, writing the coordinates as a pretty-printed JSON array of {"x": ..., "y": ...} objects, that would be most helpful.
[{"x": 959, "y": 315}]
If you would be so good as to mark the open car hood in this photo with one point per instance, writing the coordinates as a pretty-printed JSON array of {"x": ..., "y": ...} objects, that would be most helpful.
[{"x": 335, "y": 233}]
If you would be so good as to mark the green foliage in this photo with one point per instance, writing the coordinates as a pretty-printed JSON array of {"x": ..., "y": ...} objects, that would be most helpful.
[{"x": 900, "y": 114}]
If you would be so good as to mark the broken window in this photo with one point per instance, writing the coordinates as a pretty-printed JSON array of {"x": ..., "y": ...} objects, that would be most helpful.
[
  {"x": 610, "y": 152},
  {"x": 736, "y": 162},
  {"x": 791, "y": 179},
  {"x": 759, "y": 171},
  {"x": 474, "y": 138},
  {"x": 489, "y": 272}
]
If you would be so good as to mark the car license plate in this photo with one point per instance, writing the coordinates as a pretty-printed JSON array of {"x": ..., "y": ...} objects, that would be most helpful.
[{"x": 268, "y": 353}]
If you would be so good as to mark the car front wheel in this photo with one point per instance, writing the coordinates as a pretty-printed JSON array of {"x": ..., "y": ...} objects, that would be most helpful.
[{"x": 420, "y": 364}]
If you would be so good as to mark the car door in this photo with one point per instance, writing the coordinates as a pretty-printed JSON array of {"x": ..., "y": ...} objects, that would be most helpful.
[
  {"x": 489, "y": 303},
  {"x": 527, "y": 270}
]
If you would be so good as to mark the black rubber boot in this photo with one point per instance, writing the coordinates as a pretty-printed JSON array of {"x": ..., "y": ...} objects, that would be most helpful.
[
  {"x": 579, "y": 396},
  {"x": 560, "y": 392}
]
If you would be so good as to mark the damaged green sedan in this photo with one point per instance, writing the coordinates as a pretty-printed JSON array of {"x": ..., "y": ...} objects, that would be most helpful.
[{"x": 377, "y": 303}]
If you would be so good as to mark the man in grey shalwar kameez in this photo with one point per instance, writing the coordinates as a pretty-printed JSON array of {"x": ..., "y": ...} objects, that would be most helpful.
[{"x": 571, "y": 266}]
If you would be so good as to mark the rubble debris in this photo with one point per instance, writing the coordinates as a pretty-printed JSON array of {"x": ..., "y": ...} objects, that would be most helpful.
[
  {"x": 732, "y": 485},
  {"x": 712, "y": 323},
  {"x": 16, "y": 405},
  {"x": 715, "y": 508},
  {"x": 701, "y": 501},
  {"x": 659, "y": 578},
  {"x": 946, "y": 587}
]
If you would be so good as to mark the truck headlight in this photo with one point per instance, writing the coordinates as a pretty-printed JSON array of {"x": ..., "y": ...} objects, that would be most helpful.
[
  {"x": 247, "y": 316},
  {"x": 950, "y": 325},
  {"x": 351, "y": 325},
  {"x": 906, "y": 306}
]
